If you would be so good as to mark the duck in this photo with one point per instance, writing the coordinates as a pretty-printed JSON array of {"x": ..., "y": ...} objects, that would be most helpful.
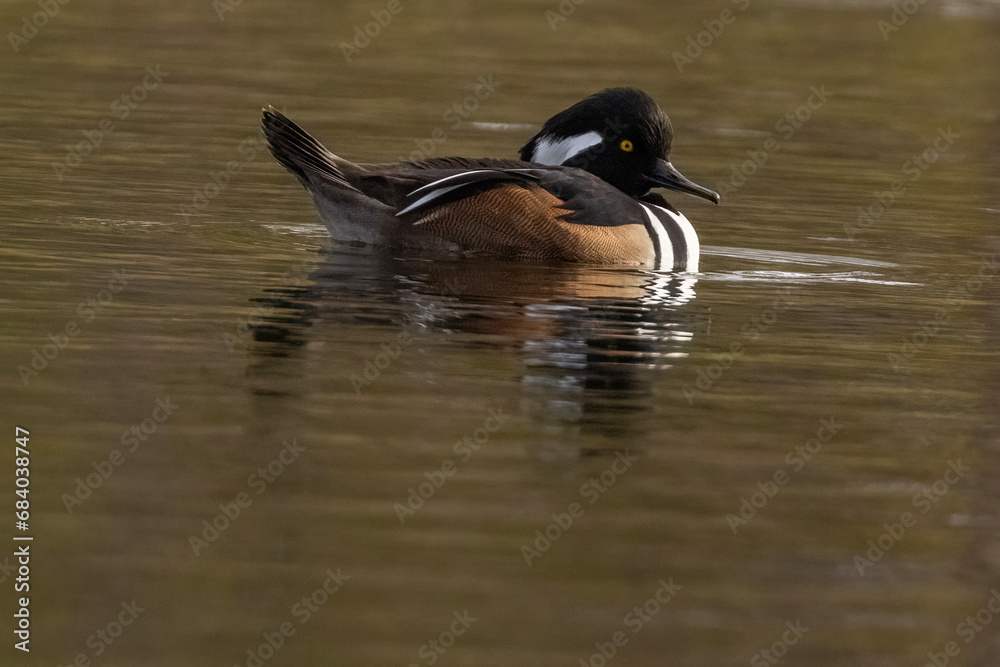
[{"x": 580, "y": 192}]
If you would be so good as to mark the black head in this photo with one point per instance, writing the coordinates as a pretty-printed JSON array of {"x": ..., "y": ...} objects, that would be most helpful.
[{"x": 618, "y": 134}]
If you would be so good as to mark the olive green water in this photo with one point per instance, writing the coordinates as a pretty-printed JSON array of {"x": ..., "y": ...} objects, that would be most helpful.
[{"x": 822, "y": 377}]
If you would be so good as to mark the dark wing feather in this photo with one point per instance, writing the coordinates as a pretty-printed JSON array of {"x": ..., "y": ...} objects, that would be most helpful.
[
  {"x": 450, "y": 187},
  {"x": 392, "y": 184},
  {"x": 466, "y": 163},
  {"x": 588, "y": 199}
]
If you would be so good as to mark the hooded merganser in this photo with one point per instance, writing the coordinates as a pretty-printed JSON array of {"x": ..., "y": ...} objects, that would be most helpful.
[{"x": 581, "y": 191}]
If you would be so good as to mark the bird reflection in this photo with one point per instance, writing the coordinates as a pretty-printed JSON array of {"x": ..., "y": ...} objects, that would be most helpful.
[{"x": 592, "y": 341}]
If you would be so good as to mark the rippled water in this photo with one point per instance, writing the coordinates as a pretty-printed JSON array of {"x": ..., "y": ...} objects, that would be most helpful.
[{"x": 793, "y": 451}]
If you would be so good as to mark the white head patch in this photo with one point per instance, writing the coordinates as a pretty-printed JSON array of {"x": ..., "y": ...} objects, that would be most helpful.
[{"x": 557, "y": 152}]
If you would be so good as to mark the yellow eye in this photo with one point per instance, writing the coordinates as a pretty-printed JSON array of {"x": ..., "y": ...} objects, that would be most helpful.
[{"x": 626, "y": 146}]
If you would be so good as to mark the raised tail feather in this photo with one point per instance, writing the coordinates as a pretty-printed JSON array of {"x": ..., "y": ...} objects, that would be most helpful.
[{"x": 298, "y": 152}]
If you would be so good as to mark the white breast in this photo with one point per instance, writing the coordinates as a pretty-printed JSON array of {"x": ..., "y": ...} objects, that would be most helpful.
[{"x": 687, "y": 239}]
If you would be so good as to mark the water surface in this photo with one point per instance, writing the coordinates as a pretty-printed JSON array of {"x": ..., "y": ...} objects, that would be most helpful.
[{"x": 409, "y": 429}]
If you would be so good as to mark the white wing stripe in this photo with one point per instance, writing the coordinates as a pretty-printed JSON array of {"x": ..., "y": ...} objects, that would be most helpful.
[
  {"x": 431, "y": 196},
  {"x": 442, "y": 181}
]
